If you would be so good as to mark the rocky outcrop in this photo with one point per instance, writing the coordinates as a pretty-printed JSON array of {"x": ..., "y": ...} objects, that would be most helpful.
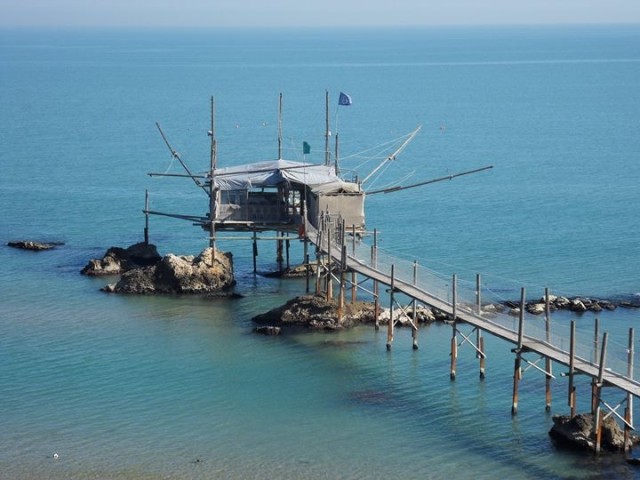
[
  {"x": 317, "y": 313},
  {"x": 118, "y": 260},
  {"x": 578, "y": 432},
  {"x": 209, "y": 273},
  {"x": 574, "y": 304},
  {"x": 33, "y": 245}
]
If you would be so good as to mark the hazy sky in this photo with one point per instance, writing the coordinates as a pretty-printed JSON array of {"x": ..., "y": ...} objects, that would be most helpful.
[{"x": 272, "y": 13}]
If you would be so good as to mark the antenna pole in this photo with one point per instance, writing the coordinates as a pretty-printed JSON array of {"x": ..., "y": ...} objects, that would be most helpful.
[
  {"x": 280, "y": 128},
  {"x": 327, "y": 132}
]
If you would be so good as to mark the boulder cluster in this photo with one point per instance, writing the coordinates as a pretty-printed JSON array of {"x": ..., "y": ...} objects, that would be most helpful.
[
  {"x": 574, "y": 304},
  {"x": 143, "y": 271}
]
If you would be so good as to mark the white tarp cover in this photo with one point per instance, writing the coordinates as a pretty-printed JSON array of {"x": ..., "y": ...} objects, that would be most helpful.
[{"x": 274, "y": 172}]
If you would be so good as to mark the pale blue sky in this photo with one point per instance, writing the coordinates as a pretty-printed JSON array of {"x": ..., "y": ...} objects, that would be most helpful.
[{"x": 273, "y": 13}]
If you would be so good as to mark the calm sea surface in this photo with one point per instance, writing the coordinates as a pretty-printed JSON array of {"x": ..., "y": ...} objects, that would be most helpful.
[{"x": 150, "y": 388}]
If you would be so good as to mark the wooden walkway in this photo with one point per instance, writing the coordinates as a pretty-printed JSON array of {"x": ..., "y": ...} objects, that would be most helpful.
[{"x": 382, "y": 272}]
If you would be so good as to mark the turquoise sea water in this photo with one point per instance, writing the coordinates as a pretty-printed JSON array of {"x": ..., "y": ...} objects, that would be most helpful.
[{"x": 128, "y": 387}]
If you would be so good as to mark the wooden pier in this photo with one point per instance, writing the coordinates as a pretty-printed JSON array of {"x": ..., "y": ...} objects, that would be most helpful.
[{"x": 337, "y": 258}]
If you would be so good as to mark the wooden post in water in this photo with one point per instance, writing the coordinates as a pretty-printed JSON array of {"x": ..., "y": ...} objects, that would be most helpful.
[
  {"x": 287, "y": 244},
  {"x": 479, "y": 338},
  {"x": 517, "y": 370},
  {"x": 146, "y": 217},
  {"x": 343, "y": 271},
  {"x": 414, "y": 331},
  {"x": 594, "y": 380},
  {"x": 597, "y": 425},
  {"x": 255, "y": 250},
  {"x": 454, "y": 336},
  {"x": 628, "y": 411},
  {"x": 391, "y": 298},
  {"x": 572, "y": 359},
  {"x": 376, "y": 286},
  {"x": 318, "y": 258},
  {"x": 354, "y": 279},
  {"x": 548, "y": 364},
  {"x": 329, "y": 266}
]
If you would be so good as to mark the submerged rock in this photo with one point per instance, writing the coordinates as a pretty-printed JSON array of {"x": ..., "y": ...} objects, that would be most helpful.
[
  {"x": 33, "y": 245},
  {"x": 211, "y": 272},
  {"x": 578, "y": 432},
  {"x": 118, "y": 260}
]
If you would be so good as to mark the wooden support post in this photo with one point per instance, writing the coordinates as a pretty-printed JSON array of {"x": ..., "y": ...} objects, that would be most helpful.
[
  {"x": 414, "y": 330},
  {"x": 572, "y": 359},
  {"x": 597, "y": 425},
  {"x": 391, "y": 298},
  {"x": 454, "y": 336},
  {"x": 354, "y": 277},
  {"x": 594, "y": 380},
  {"x": 547, "y": 361},
  {"x": 305, "y": 256},
  {"x": 287, "y": 243},
  {"x": 146, "y": 217},
  {"x": 628, "y": 411},
  {"x": 279, "y": 248},
  {"x": 517, "y": 370},
  {"x": 255, "y": 251},
  {"x": 376, "y": 286},
  {"x": 319, "y": 260},
  {"x": 329, "y": 267},
  {"x": 479, "y": 338},
  {"x": 343, "y": 272}
]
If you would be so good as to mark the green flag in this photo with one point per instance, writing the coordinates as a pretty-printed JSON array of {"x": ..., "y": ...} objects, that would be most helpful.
[{"x": 306, "y": 148}]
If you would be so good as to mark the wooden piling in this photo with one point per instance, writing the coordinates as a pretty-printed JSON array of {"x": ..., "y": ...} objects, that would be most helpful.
[
  {"x": 479, "y": 338},
  {"x": 572, "y": 359},
  {"x": 255, "y": 251},
  {"x": 596, "y": 346},
  {"x": 329, "y": 283},
  {"x": 376, "y": 286},
  {"x": 354, "y": 277},
  {"x": 548, "y": 364},
  {"x": 146, "y": 217},
  {"x": 454, "y": 336},
  {"x": 628, "y": 411},
  {"x": 517, "y": 367},
  {"x": 391, "y": 299},
  {"x": 414, "y": 331},
  {"x": 597, "y": 425}
]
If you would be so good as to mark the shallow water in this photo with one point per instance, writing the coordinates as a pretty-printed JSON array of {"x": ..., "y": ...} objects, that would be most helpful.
[{"x": 147, "y": 387}]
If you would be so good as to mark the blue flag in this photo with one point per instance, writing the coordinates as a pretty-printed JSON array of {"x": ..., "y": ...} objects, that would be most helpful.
[
  {"x": 306, "y": 148},
  {"x": 344, "y": 99}
]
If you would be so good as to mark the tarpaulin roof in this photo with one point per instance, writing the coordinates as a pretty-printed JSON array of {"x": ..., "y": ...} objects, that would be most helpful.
[{"x": 274, "y": 172}]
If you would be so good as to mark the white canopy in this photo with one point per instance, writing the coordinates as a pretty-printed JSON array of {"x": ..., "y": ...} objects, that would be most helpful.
[{"x": 274, "y": 172}]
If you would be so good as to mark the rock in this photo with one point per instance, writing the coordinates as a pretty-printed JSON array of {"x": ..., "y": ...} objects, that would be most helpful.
[
  {"x": 208, "y": 273},
  {"x": 317, "y": 313},
  {"x": 578, "y": 432},
  {"x": 562, "y": 302},
  {"x": 33, "y": 245},
  {"x": 267, "y": 330},
  {"x": 577, "y": 306},
  {"x": 536, "y": 308},
  {"x": 118, "y": 260}
]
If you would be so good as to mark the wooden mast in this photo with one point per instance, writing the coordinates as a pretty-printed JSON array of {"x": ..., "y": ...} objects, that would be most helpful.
[
  {"x": 327, "y": 133},
  {"x": 212, "y": 189}
]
